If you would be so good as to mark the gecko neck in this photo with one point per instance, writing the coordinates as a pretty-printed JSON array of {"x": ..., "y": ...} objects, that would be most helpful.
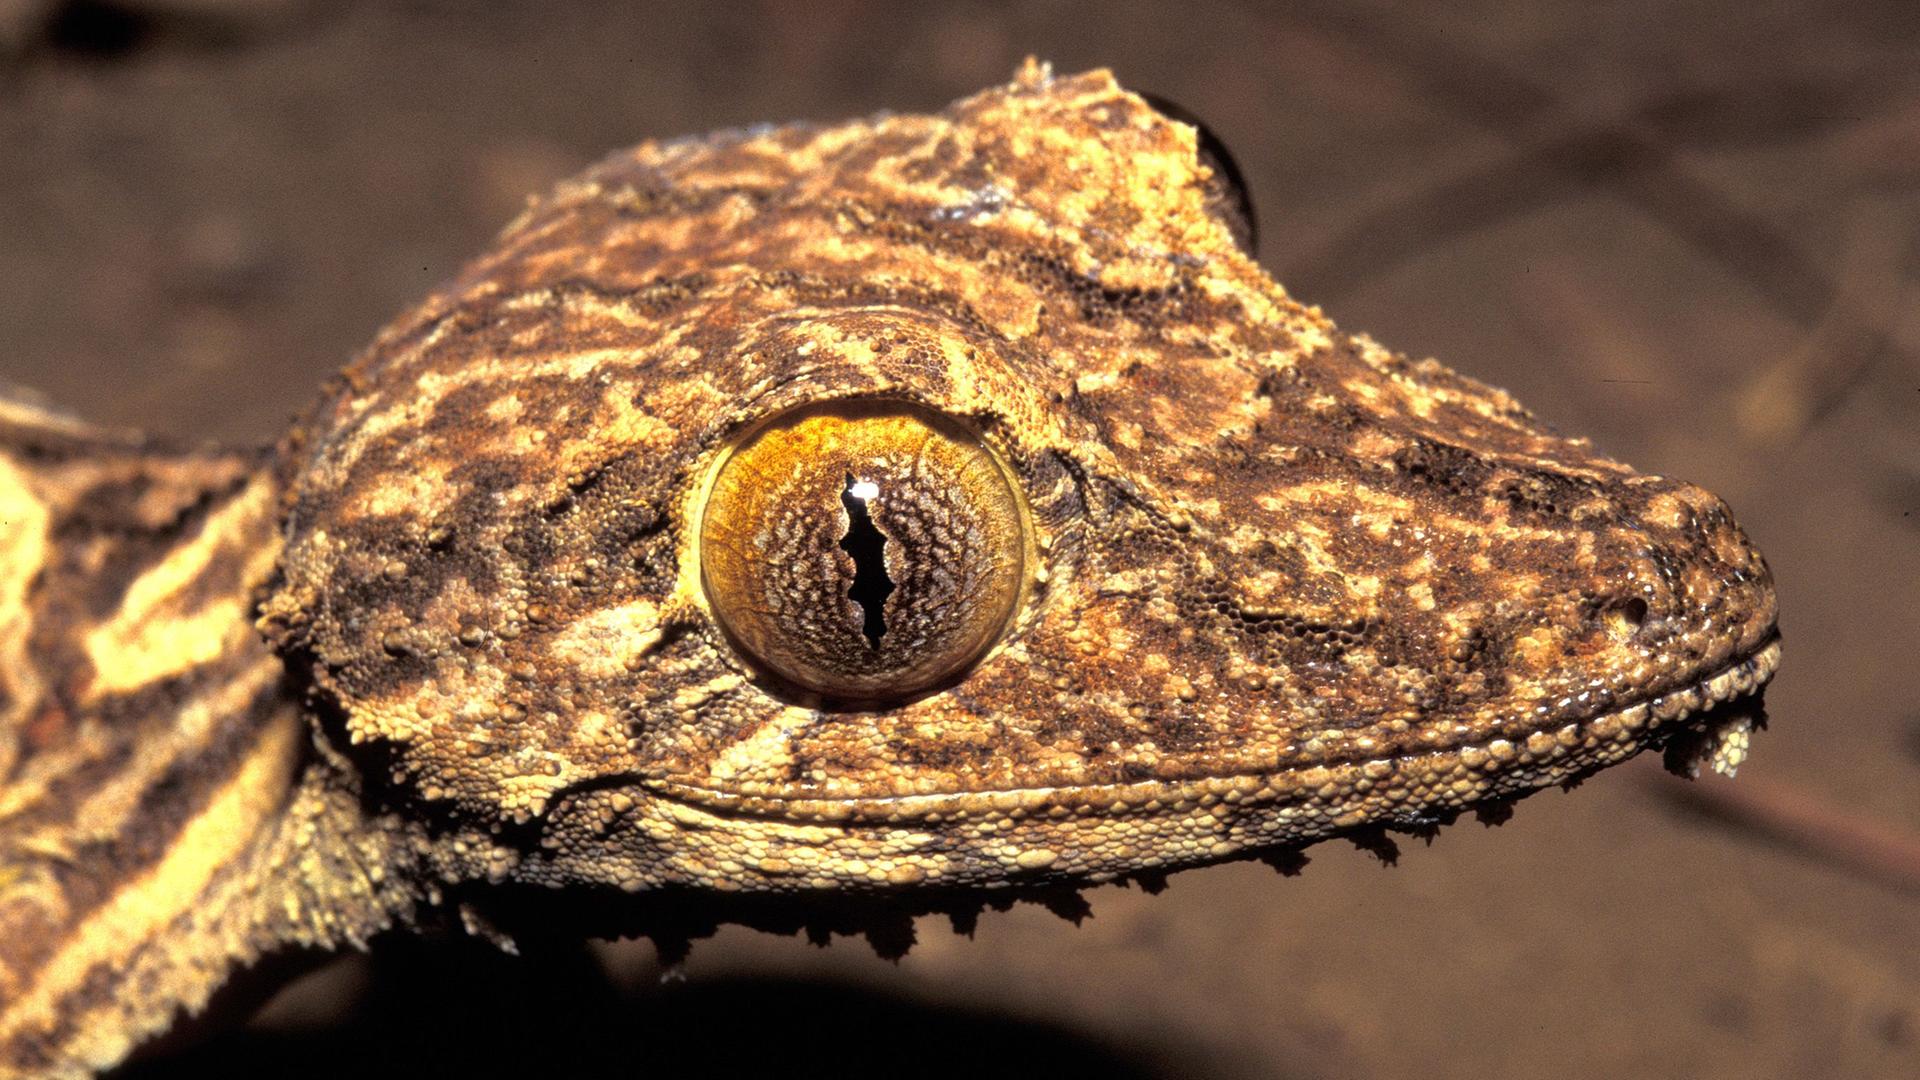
[{"x": 163, "y": 815}]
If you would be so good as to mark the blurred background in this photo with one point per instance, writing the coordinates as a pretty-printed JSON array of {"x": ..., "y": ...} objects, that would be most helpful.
[{"x": 1690, "y": 231}]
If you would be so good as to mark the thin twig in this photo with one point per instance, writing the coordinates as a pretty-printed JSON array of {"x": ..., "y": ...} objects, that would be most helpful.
[{"x": 1802, "y": 821}]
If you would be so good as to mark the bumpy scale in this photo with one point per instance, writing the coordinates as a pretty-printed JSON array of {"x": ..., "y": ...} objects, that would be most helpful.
[{"x": 798, "y": 525}]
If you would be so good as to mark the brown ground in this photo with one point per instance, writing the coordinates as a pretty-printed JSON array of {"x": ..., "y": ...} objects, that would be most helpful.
[{"x": 1692, "y": 234}]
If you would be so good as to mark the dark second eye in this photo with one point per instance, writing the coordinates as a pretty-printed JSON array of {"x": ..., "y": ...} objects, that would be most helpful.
[{"x": 864, "y": 551}]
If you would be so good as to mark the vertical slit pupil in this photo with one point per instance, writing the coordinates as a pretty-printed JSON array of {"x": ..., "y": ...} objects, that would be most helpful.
[{"x": 867, "y": 545}]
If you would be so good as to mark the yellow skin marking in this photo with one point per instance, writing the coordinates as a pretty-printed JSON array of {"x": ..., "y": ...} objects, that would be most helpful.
[
  {"x": 454, "y": 650},
  {"x": 155, "y": 635},
  {"x": 136, "y": 916},
  {"x": 23, "y": 549}
]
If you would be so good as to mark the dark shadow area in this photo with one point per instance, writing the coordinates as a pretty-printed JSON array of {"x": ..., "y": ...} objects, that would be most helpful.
[
  {"x": 461, "y": 1008},
  {"x": 120, "y": 31},
  {"x": 98, "y": 29}
]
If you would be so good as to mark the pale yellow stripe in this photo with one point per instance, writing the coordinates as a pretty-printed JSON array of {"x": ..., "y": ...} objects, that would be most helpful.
[
  {"x": 144, "y": 642},
  {"x": 24, "y": 521},
  {"x": 105, "y": 810},
  {"x": 128, "y": 923},
  {"x": 28, "y": 415}
]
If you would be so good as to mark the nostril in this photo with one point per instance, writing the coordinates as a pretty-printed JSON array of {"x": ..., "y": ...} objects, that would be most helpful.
[{"x": 1625, "y": 618}]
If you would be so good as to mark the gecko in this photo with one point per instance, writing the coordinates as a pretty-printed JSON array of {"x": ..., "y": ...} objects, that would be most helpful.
[{"x": 806, "y": 527}]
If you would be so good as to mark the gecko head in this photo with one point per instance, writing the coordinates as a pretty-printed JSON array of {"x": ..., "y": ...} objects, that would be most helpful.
[{"x": 952, "y": 500}]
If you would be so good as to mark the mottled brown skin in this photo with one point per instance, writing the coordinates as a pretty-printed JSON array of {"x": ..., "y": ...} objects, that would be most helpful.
[{"x": 1284, "y": 584}]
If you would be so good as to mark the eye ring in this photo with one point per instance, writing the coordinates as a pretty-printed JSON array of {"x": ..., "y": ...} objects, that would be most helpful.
[{"x": 863, "y": 550}]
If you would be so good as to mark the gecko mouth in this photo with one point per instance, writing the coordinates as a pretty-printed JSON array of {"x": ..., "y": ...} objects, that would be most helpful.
[{"x": 1705, "y": 723}]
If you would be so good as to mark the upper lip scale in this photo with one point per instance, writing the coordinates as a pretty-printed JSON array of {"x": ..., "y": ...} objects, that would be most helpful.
[{"x": 1674, "y": 704}]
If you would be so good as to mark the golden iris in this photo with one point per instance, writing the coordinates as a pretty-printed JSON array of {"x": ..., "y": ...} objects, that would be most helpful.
[{"x": 863, "y": 550}]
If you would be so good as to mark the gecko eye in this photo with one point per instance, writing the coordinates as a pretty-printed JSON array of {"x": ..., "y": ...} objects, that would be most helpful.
[
  {"x": 1228, "y": 197},
  {"x": 863, "y": 550}
]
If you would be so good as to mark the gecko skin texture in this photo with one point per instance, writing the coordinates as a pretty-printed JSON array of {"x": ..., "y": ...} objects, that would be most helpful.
[{"x": 801, "y": 526}]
